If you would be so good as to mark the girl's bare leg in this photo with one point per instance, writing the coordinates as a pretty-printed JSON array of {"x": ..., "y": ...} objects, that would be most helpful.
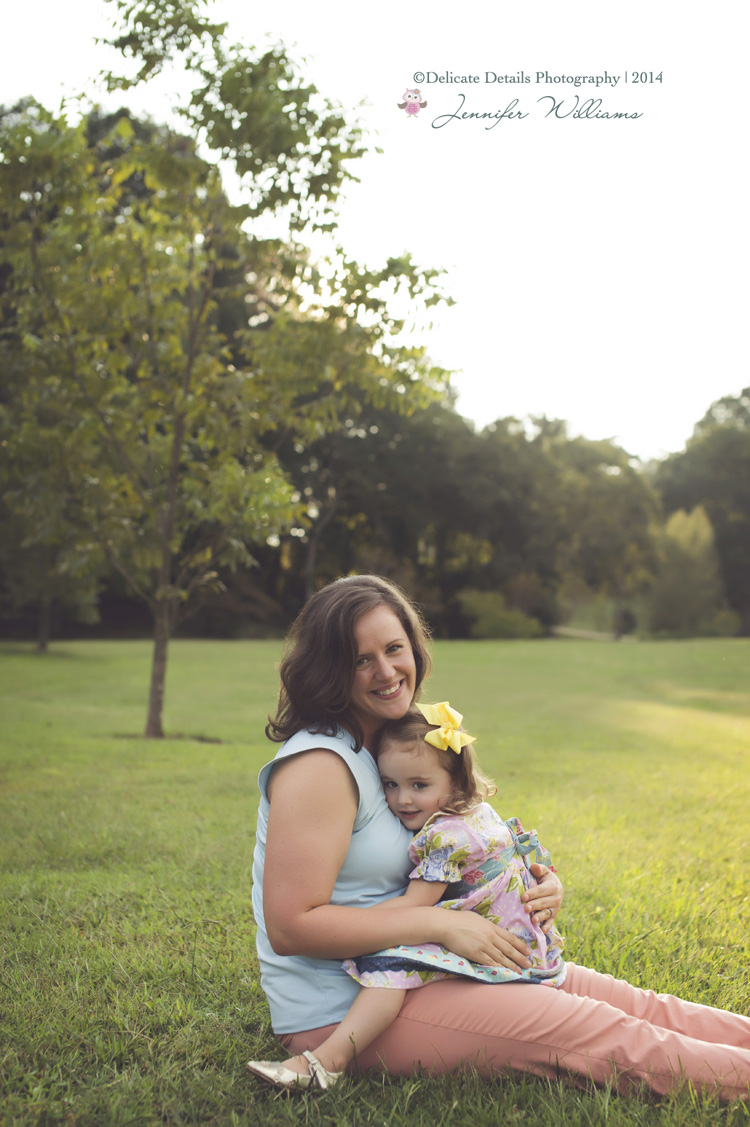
[{"x": 370, "y": 1014}]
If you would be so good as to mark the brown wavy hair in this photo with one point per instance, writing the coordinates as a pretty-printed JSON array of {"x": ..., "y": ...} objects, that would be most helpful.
[
  {"x": 318, "y": 666},
  {"x": 470, "y": 785}
]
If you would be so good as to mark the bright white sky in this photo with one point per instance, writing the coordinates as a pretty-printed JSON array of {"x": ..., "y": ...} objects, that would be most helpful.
[{"x": 599, "y": 266}]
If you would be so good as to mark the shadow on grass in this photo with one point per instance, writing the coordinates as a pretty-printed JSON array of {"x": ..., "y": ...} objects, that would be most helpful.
[
  {"x": 200, "y": 739},
  {"x": 28, "y": 650}
]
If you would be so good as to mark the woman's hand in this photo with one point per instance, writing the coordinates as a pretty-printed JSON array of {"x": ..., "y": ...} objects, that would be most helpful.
[
  {"x": 544, "y": 900},
  {"x": 475, "y": 938}
]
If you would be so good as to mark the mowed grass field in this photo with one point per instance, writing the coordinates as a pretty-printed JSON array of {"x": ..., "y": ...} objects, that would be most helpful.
[{"x": 129, "y": 989}]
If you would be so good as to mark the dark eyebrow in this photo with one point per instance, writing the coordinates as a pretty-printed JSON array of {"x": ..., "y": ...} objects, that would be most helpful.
[{"x": 366, "y": 653}]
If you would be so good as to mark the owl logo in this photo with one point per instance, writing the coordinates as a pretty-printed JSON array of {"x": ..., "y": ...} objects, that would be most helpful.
[{"x": 411, "y": 103}]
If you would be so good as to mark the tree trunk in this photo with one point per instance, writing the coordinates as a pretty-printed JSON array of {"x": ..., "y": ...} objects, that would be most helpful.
[
  {"x": 44, "y": 624},
  {"x": 154, "y": 729},
  {"x": 313, "y": 541},
  {"x": 746, "y": 622},
  {"x": 311, "y": 561}
]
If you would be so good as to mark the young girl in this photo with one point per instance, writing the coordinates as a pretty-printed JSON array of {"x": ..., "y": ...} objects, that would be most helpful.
[{"x": 466, "y": 858}]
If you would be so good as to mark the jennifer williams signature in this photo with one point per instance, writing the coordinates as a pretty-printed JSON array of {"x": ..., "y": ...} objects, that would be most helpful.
[{"x": 587, "y": 110}]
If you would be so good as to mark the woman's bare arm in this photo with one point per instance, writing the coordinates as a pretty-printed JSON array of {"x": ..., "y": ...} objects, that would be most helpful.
[{"x": 313, "y": 804}]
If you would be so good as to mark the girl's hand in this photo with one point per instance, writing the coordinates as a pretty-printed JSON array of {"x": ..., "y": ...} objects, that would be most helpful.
[
  {"x": 543, "y": 902},
  {"x": 480, "y": 941}
]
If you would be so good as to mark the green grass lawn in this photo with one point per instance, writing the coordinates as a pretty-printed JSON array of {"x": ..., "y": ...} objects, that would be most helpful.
[{"x": 129, "y": 987}]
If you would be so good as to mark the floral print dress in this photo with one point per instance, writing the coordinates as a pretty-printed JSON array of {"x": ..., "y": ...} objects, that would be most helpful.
[{"x": 485, "y": 862}]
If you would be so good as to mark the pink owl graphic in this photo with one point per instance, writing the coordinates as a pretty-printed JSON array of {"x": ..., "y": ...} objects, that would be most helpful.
[{"x": 411, "y": 103}]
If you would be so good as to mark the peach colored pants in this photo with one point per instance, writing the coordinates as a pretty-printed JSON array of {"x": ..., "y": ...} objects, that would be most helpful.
[{"x": 594, "y": 1026}]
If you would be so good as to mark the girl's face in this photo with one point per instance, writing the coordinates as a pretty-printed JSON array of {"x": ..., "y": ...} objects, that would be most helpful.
[
  {"x": 416, "y": 783},
  {"x": 385, "y": 676}
]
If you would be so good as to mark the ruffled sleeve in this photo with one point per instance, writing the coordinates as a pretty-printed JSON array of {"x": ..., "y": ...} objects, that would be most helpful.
[{"x": 442, "y": 849}]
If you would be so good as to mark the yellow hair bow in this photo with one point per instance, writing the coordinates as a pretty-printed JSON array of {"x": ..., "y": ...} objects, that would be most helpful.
[{"x": 448, "y": 722}]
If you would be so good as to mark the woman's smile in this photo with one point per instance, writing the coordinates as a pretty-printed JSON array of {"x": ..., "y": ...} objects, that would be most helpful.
[{"x": 389, "y": 692}]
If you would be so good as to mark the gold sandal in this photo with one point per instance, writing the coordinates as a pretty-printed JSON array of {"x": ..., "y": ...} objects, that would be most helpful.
[{"x": 281, "y": 1077}]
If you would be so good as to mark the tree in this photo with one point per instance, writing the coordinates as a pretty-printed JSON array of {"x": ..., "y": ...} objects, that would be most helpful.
[
  {"x": 605, "y": 511},
  {"x": 289, "y": 147},
  {"x": 511, "y": 489},
  {"x": 116, "y": 251},
  {"x": 687, "y": 595},
  {"x": 714, "y": 471},
  {"x": 124, "y": 261},
  {"x": 507, "y": 512},
  {"x": 381, "y": 493},
  {"x": 46, "y": 559}
]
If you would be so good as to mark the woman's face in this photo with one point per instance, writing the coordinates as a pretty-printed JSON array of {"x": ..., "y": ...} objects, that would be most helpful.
[{"x": 385, "y": 676}]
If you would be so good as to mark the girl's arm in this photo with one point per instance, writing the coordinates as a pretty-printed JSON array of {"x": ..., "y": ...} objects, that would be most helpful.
[
  {"x": 419, "y": 894},
  {"x": 422, "y": 893},
  {"x": 313, "y": 804}
]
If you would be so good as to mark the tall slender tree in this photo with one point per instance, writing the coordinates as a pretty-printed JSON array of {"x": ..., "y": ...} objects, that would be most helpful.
[{"x": 126, "y": 273}]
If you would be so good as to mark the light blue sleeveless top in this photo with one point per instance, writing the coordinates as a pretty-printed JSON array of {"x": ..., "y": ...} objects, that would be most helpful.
[{"x": 305, "y": 993}]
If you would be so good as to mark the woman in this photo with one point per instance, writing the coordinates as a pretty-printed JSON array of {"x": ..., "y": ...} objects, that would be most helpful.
[{"x": 328, "y": 848}]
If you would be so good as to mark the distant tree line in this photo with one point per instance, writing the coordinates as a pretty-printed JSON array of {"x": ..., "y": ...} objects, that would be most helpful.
[
  {"x": 513, "y": 529},
  {"x": 205, "y": 423},
  {"x": 504, "y": 532}
]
